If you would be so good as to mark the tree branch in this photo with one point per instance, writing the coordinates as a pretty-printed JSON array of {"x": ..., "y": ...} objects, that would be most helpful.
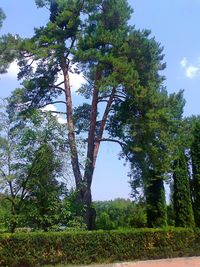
[
  {"x": 120, "y": 96},
  {"x": 58, "y": 112},
  {"x": 103, "y": 123},
  {"x": 101, "y": 101},
  {"x": 54, "y": 102},
  {"x": 57, "y": 85},
  {"x": 111, "y": 140}
]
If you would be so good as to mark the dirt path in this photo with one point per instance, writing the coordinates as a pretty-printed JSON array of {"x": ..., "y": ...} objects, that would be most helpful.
[{"x": 178, "y": 262}]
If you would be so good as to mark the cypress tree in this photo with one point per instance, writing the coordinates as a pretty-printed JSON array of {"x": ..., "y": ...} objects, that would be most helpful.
[
  {"x": 156, "y": 204},
  {"x": 195, "y": 153},
  {"x": 183, "y": 212}
]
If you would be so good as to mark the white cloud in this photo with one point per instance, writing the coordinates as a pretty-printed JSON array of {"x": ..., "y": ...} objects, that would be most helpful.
[
  {"x": 184, "y": 62},
  {"x": 61, "y": 120},
  {"x": 76, "y": 80},
  {"x": 190, "y": 70},
  {"x": 59, "y": 117},
  {"x": 13, "y": 70},
  {"x": 49, "y": 107}
]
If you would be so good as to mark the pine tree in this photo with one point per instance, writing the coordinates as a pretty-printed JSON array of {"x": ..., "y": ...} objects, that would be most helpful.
[
  {"x": 121, "y": 66},
  {"x": 92, "y": 37}
]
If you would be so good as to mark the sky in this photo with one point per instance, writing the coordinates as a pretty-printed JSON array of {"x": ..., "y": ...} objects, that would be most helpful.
[{"x": 174, "y": 24}]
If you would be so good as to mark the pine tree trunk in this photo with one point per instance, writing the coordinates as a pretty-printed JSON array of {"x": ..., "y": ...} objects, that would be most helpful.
[
  {"x": 89, "y": 213},
  {"x": 71, "y": 132},
  {"x": 82, "y": 186}
]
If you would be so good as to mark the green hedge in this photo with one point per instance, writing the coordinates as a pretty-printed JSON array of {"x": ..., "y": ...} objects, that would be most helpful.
[{"x": 37, "y": 249}]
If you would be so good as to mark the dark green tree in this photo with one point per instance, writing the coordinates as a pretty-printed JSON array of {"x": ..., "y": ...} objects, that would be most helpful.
[
  {"x": 156, "y": 207},
  {"x": 183, "y": 213},
  {"x": 195, "y": 155},
  {"x": 146, "y": 122}
]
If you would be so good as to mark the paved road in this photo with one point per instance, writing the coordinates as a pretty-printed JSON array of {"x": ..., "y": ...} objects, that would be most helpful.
[{"x": 178, "y": 262}]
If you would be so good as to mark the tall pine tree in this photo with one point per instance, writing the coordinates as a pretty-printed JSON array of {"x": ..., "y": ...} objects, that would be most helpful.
[{"x": 93, "y": 31}]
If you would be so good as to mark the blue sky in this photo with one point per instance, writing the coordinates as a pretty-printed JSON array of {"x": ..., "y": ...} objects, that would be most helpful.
[{"x": 175, "y": 24}]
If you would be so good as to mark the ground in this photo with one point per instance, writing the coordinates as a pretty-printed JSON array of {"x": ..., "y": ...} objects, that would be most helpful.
[{"x": 178, "y": 262}]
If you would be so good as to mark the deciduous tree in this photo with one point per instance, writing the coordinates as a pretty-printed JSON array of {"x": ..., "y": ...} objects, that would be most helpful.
[{"x": 19, "y": 143}]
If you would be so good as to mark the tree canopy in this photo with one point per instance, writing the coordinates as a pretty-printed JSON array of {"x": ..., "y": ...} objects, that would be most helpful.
[{"x": 125, "y": 102}]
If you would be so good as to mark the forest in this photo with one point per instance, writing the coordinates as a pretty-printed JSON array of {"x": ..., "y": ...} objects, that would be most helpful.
[{"x": 126, "y": 102}]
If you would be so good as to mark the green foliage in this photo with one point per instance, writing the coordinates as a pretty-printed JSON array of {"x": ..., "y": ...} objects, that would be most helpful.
[
  {"x": 183, "y": 212},
  {"x": 8, "y": 50},
  {"x": 36, "y": 249},
  {"x": 119, "y": 213},
  {"x": 195, "y": 153},
  {"x": 8, "y": 47},
  {"x": 43, "y": 203},
  {"x": 121, "y": 66},
  {"x": 170, "y": 215},
  {"x": 75, "y": 210},
  {"x": 4, "y": 211},
  {"x": 122, "y": 69},
  {"x": 147, "y": 122},
  {"x": 2, "y": 17},
  {"x": 155, "y": 202},
  {"x": 28, "y": 176}
]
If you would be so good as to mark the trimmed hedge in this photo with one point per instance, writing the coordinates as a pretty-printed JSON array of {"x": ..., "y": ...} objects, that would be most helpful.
[{"x": 38, "y": 249}]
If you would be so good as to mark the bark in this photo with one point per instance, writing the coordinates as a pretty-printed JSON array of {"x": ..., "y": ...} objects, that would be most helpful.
[
  {"x": 70, "y": 125},
  {"x": 89, "y": 168}
]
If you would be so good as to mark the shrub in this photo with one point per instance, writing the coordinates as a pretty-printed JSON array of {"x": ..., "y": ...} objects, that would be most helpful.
[{"x": 40, "y": 248}]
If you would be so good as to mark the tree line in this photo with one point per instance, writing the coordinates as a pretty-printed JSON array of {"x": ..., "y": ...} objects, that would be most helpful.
[{"x": 126, "y": 102}]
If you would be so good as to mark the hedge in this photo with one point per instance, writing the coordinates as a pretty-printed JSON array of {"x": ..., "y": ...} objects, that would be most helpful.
[{"x": 38, "y": 249}]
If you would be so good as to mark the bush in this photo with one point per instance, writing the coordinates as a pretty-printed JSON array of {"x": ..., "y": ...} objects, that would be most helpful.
[{"x": 38, "y": 249}]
